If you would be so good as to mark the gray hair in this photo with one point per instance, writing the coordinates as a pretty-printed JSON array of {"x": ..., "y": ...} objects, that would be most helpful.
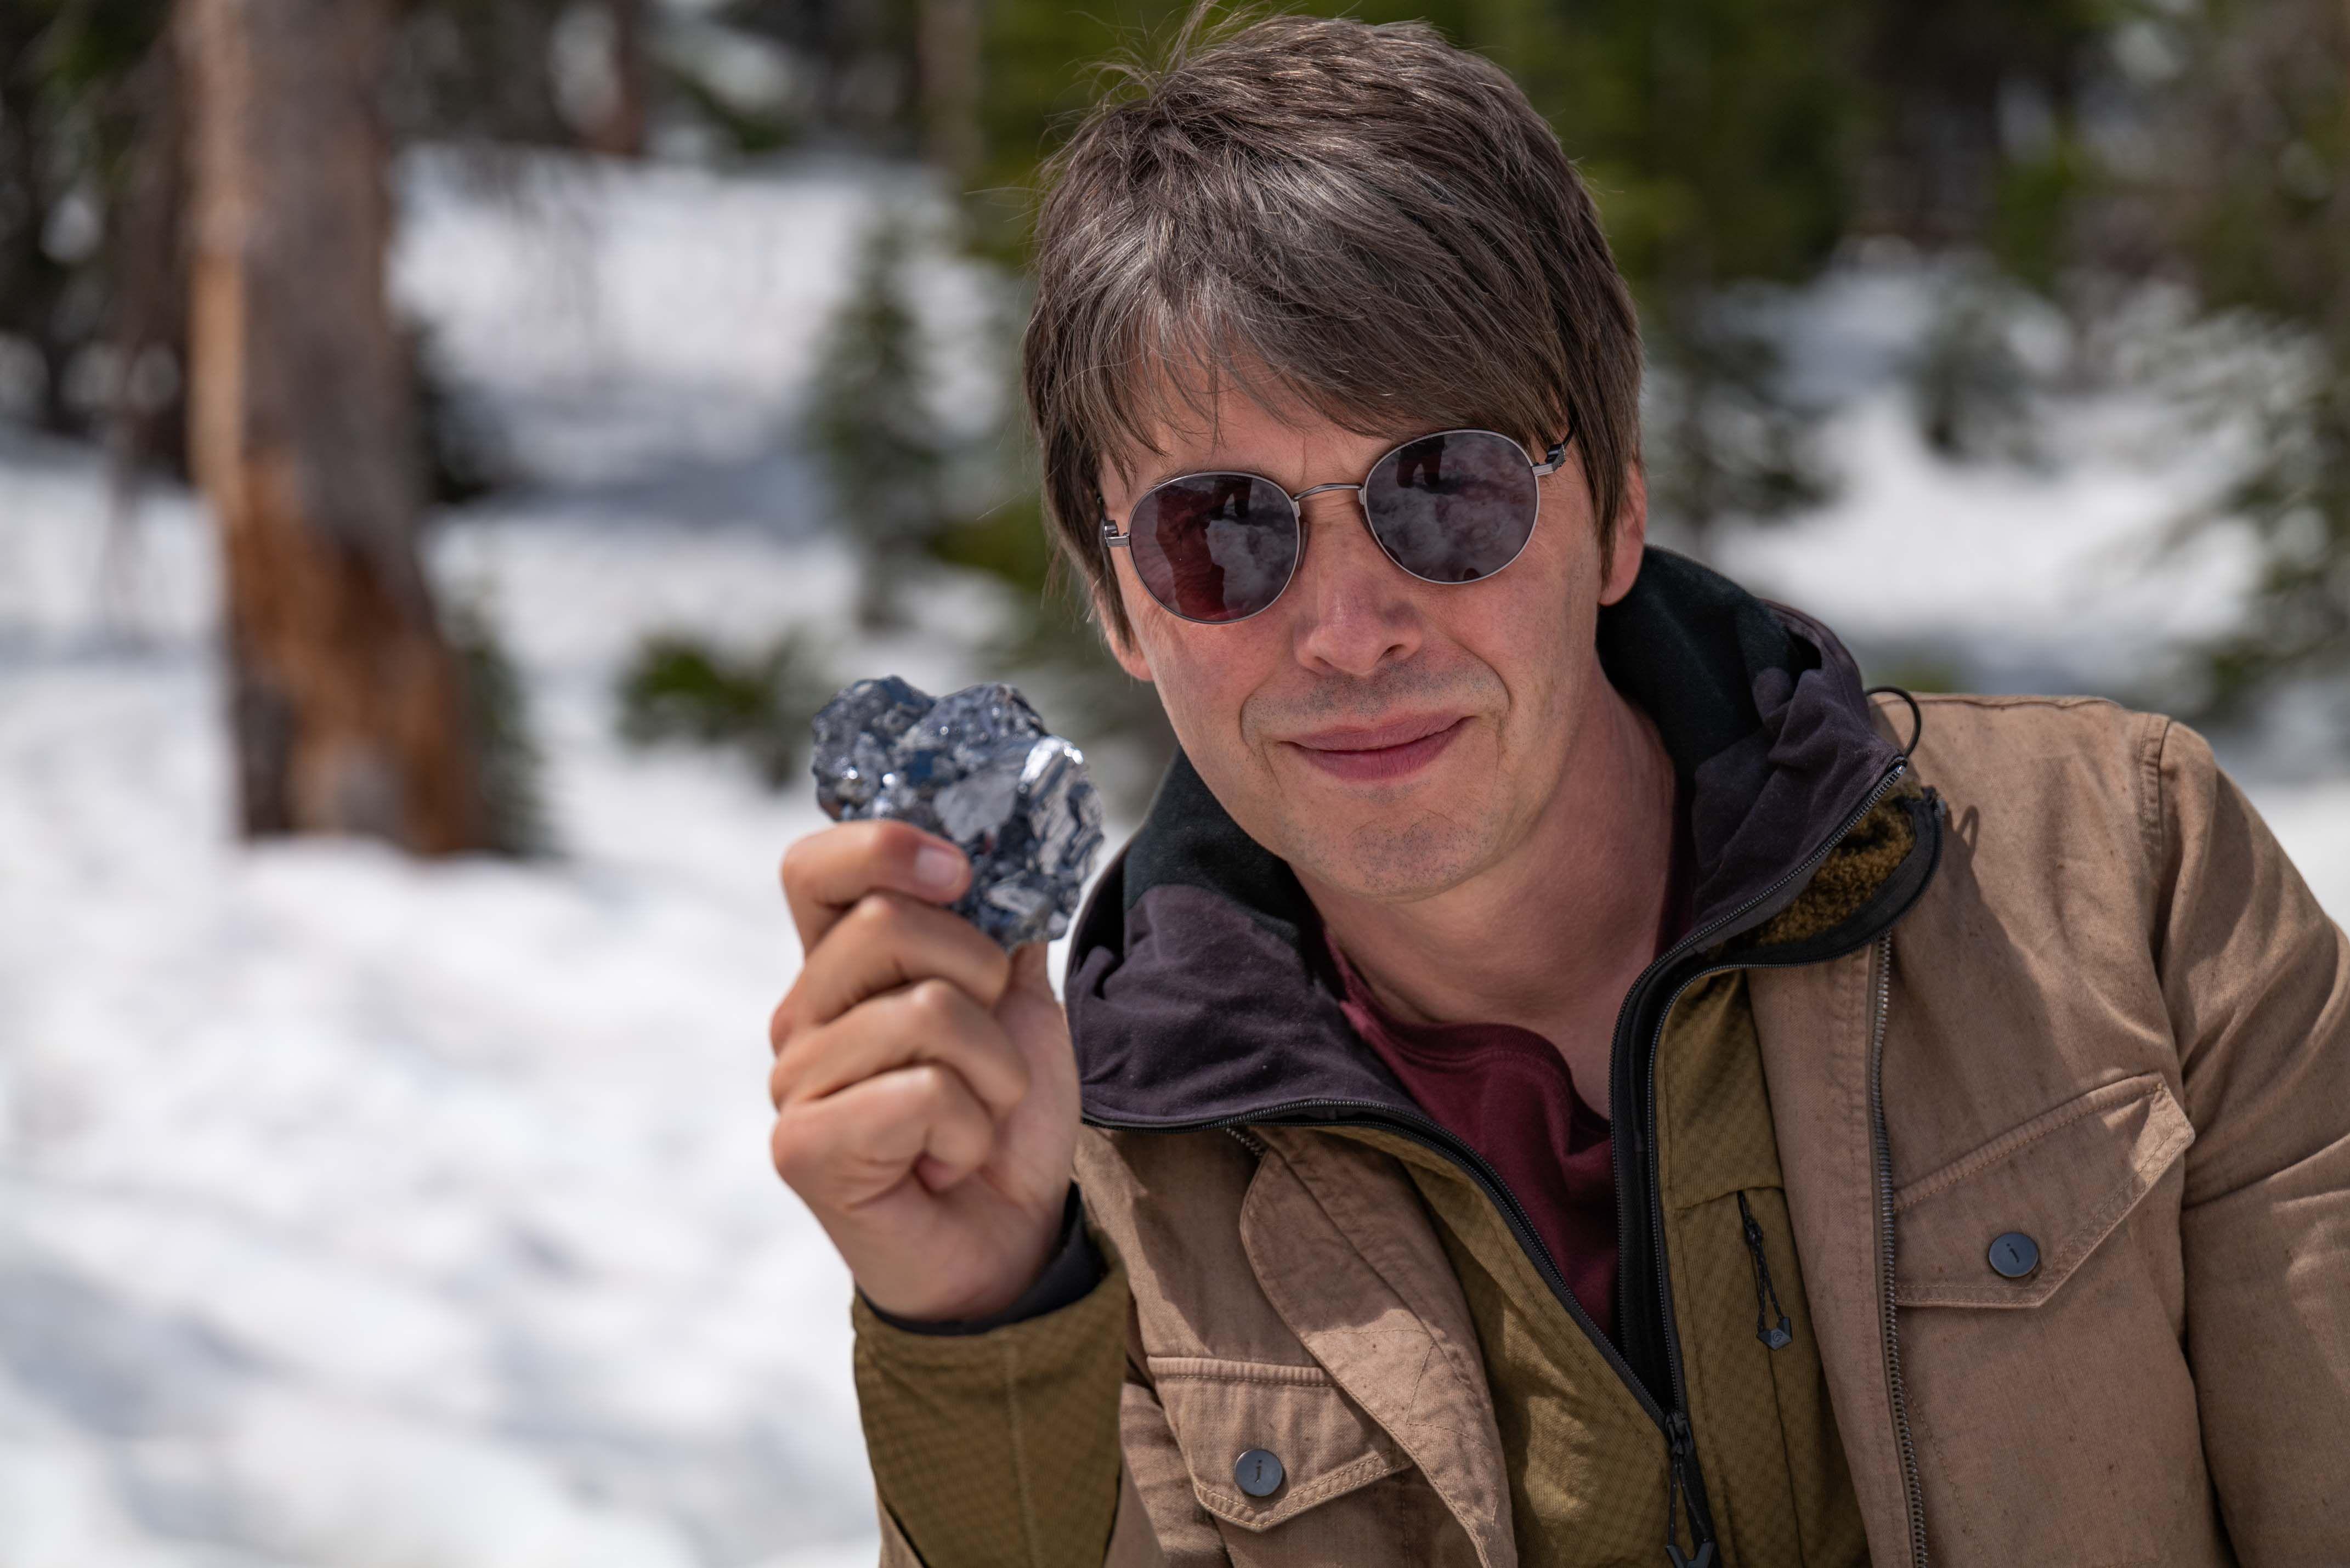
[{"x": 1374, "y": 220}]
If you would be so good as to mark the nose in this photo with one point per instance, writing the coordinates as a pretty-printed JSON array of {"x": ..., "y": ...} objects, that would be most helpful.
[{"x": 1355, "y": 608}]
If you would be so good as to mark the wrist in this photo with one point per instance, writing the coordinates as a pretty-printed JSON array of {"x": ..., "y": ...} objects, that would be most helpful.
[{"x": 1066, "y": 1268}]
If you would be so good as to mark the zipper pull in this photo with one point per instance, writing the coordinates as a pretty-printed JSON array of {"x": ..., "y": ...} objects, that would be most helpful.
[
  {"x": 1784, "y": 1335},
  {"x": 1686, "y": 1489}
]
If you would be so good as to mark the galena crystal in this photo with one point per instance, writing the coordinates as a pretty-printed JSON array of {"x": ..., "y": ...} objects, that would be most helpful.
[{"x": 978, "y": 767}]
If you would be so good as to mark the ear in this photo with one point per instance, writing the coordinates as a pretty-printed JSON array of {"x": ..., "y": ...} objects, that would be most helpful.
[
  {"x": 1631, "y": 538},
  {"x": 1125, "y": 649}
]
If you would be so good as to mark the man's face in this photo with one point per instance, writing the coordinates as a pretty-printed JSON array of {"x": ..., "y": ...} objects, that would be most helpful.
[{"x": 1390, "y": 738}]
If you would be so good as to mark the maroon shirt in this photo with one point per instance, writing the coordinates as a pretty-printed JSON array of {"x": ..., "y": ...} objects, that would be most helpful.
[{"x": 1508, "y": 1094}]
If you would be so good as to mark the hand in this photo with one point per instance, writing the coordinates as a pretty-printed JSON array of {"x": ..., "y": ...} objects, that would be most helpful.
[{"x": 925, "y": 1094}]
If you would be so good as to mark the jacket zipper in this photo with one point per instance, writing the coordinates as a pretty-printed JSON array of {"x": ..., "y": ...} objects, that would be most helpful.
[
  {"x": 1682, "y": 1444},
  {"x": 1686, "y": 1482},
  {"x": 1688, "y": 1477},
  {"x": 1911, "y": 1492}
]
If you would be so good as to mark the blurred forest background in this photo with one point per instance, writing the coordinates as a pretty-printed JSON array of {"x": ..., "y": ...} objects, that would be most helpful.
[
  {"x": 433, "y": 427},
  {"x": 2076, "y": 171}
]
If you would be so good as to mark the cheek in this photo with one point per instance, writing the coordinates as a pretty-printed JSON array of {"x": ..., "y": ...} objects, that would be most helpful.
[
  {"x": 1536, "y": 633},
  {"x": 1202, "y": 677}
]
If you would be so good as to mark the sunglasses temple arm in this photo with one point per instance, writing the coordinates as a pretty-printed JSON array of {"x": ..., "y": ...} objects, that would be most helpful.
[
  {"x": 1111, "y": 538},
  {"x": 1552, "y": 459}
]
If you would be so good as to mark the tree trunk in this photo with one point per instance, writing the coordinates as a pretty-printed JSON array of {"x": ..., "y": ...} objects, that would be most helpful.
[
  {"x": 621, "y": 131},
  {"x": 946, "y": 51},
  {"x": 347, "y": 711},
  {"x": 146, "y": 413}
]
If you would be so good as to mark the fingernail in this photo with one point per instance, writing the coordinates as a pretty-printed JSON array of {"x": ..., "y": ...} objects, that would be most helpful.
[{"x": 939, "y": 868}]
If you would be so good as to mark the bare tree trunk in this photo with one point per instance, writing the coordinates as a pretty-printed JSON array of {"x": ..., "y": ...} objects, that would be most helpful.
[
  {"x": 621, "y": 132},
  {"x": 347, "y": 710},
  {"x": 146, "y": 327},
  {"x": 946, "y": 49}
]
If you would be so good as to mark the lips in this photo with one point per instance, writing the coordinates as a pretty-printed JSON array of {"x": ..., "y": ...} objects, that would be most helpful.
[
  {"x": 1395, "y": 732},
  {"x": 1381, "y": 752}
]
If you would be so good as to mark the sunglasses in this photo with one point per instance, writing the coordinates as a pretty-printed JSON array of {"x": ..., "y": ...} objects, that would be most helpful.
[{"x": 1452, "y": 507}]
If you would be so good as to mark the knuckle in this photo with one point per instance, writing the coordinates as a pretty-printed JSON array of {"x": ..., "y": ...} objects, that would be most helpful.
[
  {"x": 789, "y": 1151},
  {"x": 934, "y": 1004},
  {"x": 798, "y": 857},
  {"x": 927, "y": 1089},
  {"x": 872, "y": 918}
]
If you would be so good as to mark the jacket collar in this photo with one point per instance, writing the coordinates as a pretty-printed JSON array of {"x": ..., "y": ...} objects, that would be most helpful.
[{"x": 1196, "y": 988}]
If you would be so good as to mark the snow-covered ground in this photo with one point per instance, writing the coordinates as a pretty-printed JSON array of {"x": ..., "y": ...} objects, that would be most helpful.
[{"x": 358, "y": 1212}]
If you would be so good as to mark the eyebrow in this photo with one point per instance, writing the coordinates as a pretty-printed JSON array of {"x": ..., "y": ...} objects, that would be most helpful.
[{"x": 1393, "y": 440}]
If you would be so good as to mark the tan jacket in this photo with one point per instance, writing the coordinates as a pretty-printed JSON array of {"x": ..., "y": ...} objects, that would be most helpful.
[{"x": 2115, "y": 1022}]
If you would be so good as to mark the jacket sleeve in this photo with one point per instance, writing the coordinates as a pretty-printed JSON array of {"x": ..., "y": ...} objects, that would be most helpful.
[
  {"x": 2257, "y": 980},
  {"x": 1004, "y": 1447}
]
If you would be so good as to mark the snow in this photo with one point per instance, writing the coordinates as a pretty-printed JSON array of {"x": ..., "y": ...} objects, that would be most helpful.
[
  {"x": 2026, "y": 576},
  {"x": 355, "y": 1211},
  {"x": 363, "y": 1212},
  {"x": 2059, "y": 574}
]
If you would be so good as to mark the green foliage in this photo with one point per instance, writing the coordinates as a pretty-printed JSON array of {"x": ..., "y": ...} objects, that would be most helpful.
[
  {"x": 679, "y": 687},
  {"x": 475, "y": 71},
  {"x": 749, "y": 130},
  {"x": 1715, "y": 133},
  {"x": 509, "y": 764},
  {"x": 2031, "y": 223},
  {"x": 1719, "y": 138},
  {"x": 2296, "y": 499},
  {"x": 1977, "y": 398},
  {"x": 871, "y": 422},
  {"x": 75, "y": 75},
  {"x": 462, "y": 452},
  {"x": 2252, "y": 199},
  {"x": 1010, "y": 542},
  {"x": 1919, "y": 671},
  {"x": 1724, "y": 437}
]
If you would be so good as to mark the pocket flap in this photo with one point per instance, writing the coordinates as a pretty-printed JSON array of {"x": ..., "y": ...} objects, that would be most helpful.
[
  {"x": 1222, "y": 1409},
  {"x": 2065, "y": 1179}
]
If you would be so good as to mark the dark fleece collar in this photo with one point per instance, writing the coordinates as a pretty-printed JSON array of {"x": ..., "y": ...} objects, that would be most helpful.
[{"x": 1197, "y": 990}]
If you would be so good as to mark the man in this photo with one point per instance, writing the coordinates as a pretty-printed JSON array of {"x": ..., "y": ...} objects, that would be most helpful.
[{"x": 1565, "y": 1079}]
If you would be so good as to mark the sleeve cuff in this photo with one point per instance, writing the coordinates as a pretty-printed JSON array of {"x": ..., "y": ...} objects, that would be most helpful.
[{"x": 1075, "y": 1270}]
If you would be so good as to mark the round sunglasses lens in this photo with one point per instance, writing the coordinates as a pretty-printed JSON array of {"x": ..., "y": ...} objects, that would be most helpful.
[
  {"x": 1452, "y": 507},
  {"x": 1214, "y": 547}
]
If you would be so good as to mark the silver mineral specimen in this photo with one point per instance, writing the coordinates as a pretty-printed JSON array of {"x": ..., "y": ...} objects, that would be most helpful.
[{"x": 979, "y": 767}]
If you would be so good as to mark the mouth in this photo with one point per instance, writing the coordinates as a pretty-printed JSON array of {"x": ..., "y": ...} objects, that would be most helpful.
[{"x": 1383, "y": 752}]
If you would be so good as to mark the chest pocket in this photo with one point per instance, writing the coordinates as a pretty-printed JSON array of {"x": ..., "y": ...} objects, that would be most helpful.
[
  {"x": 2008, "y": 1224},
  {"x": 1326, "y": 1447},
  {"x": 2043, "y": 1301}
]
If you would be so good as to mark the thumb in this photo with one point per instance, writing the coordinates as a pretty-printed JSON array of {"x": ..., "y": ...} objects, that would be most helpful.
[{"x": 1032, "y": 971}]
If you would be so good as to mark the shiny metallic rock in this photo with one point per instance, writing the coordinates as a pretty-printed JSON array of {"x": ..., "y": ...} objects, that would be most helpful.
[{"x": 979, "y": 767}]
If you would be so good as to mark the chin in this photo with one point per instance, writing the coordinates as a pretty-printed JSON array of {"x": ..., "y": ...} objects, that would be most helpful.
[{"x": 1398, "y": 859}]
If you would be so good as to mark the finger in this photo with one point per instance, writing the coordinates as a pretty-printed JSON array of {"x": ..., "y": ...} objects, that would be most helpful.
[
  {"x": 1032, "y": 970},
  {"x": 827, "y": 873},
  {"x": 849, "y": 1148},
  {"x": 929, "y": 1021},
  {"x": 884, "y": 943}
]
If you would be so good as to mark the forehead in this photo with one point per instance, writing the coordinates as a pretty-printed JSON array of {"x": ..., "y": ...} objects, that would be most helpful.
[{"x": 1254, "y": 425}]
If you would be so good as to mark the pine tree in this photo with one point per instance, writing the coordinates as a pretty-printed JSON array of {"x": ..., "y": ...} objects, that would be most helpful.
[{"x": 871, "y": 425}]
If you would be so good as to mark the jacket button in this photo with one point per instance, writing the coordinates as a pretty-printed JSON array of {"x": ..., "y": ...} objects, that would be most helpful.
[
  {"x": 2015, "y": 1255},
  {"x": 1258, "y": 1473}
]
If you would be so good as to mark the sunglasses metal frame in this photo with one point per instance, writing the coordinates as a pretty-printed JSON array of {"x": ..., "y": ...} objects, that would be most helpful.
[{"x": 1113, "y": 537}]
